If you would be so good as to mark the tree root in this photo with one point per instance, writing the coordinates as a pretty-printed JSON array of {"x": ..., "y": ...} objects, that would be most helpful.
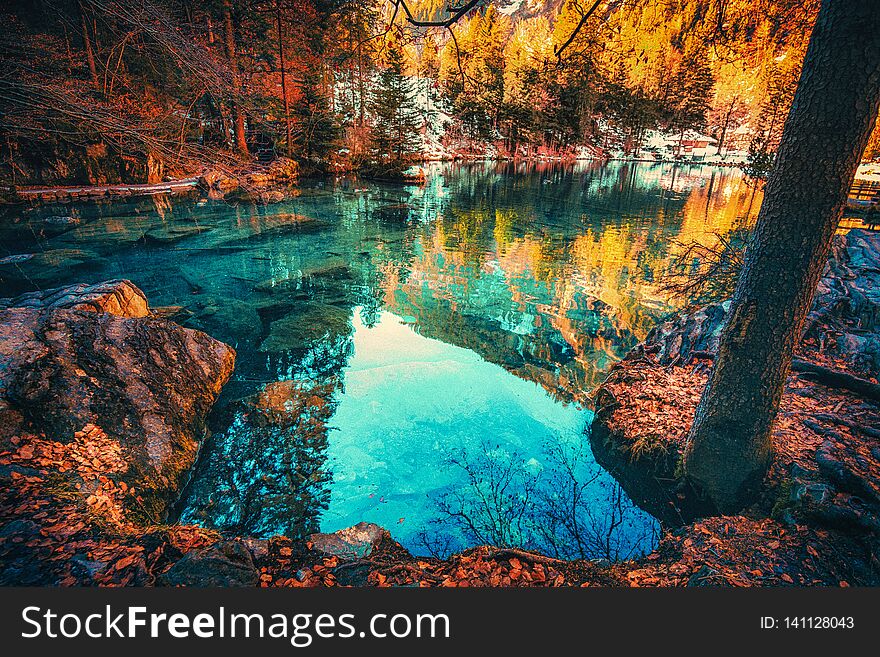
[
  {"x": 855, "y": 426},
  {"x": 824, "y": 375},
  {"x": 844, "y": 477},
  {"x": 837, "y": 379},
  {"x": 506, "y": 553}
]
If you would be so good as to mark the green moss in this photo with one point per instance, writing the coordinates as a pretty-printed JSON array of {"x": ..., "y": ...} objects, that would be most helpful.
[{"x": 783, "y": 499}]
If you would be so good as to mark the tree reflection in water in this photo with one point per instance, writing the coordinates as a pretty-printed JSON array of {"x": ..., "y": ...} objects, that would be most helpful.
[
  {"x": 569, "y": 508},
  {"x": 528, "y": 281}
]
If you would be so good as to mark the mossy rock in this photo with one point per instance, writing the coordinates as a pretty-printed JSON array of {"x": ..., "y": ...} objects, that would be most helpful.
[{"x": 170, "y": 235}]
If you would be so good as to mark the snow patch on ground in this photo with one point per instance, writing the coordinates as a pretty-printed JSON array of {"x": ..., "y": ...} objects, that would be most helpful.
[{"x": 869, "y": 171}]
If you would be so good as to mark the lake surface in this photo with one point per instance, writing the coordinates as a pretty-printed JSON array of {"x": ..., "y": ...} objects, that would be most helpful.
[{"x": 418, "y": 357}]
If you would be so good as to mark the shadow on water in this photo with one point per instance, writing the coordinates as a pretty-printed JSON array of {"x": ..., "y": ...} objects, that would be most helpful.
[{"x": 419, "y": 357}]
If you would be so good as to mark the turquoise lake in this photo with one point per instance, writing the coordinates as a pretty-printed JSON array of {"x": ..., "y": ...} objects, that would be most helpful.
[{"x": 415, "y": 356}]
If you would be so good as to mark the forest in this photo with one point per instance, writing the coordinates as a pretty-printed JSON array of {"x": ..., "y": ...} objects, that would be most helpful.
[
  {"x": 102, "y": 92},
  {"x": 495, "y": 293}
]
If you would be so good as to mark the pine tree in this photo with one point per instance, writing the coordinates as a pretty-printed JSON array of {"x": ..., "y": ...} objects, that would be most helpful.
[
  {"x": 689, "y": 92},
  {"x": 490, "y": 67},
  {"x": 396, "y": 116},
  {"x": 781, "y": 84},
  {"x": 317, "y": 130}
]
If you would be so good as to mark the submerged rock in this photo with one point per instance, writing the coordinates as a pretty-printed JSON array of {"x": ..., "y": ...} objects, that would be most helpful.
[
  {"x": 277, "y": 227},
  {"x": 171, "y": 312},
  {"x": 148, "y": 383},
  {"x": 227, "y": 318},
  {"x": 170, "y": 235},
  {"x": 308, "y": 322},
  {"x": 326, "y": 276},
  {"x": 30, "y": 227},
  {"x": 296, "y": 226},
  {"x": 55, "y": 224},
  {"x": 117, "y": 297},
  {"x": 43, "y": 267}
]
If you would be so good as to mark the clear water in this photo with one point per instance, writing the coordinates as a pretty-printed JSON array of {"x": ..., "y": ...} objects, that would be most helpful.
[{"x": 418, "y": 357}]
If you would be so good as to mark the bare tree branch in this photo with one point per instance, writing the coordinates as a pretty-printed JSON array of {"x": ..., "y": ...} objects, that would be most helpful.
[
  {"x": 558, "y": 51},
  {"x": 455, "y": 14}
]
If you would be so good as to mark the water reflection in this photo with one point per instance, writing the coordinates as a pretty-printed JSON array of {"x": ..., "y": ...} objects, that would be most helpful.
[
  {"x": 393, "y": 341},
  {"x": 266, "y": 473},
  {"x": 411, "y": 406}
]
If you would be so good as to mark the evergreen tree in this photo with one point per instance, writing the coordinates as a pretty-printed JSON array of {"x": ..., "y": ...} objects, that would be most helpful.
[
  {"x": 354, "y": 57},
  {"x": 317, "y": 131},
  {"x": 396, "y": 116},
  {"x": 689, "y": 92},
  {"x": 781, "y": 83},
  {"x": 490, "y": 69}
]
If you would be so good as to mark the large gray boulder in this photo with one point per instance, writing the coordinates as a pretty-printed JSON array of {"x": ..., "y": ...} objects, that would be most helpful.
[
  {"x": 227, "y": 563},
  {"x": 356, "y": 542},
  {"x": 147, "y": 383}
]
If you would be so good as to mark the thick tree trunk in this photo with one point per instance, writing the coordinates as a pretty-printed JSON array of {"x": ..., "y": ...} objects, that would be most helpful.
[
  {"x": 287, "y": 126},
  {"x": 834, "y": 110},
  {"x": 87, "y": 45},
  {"x": 237, "y": 113}
]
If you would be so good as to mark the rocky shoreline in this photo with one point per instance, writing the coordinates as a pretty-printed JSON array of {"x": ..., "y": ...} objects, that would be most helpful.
[
  {"x": 103, "y": 403},
  {"x": 826, "y": 472}
]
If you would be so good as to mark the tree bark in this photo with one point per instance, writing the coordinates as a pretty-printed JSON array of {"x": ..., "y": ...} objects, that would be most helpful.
[
  {"x": 287, "y": 126},
  {"x": 237, "y": 113},
  {"x": 835, "y": 106},
  {"x": 726, "y": 125},
  {"x": 87, "y": 45}
]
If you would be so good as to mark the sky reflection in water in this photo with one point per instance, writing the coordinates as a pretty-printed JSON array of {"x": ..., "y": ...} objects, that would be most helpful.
[{"x": 406, "y": 353}]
